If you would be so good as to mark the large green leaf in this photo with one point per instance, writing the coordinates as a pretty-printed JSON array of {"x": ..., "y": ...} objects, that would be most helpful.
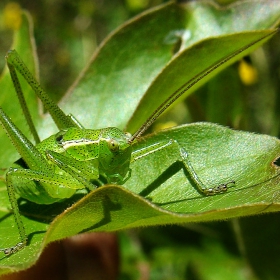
[
  {"x": 161, "y": 192},
  {"x": 139, "y": 57},
  {"x": 170, "y": 196}
]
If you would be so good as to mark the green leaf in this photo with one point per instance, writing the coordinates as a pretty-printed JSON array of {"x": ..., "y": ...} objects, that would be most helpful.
[
  {"x": 196, "y": 58},
  {"x": 218, "y": 155},
  {"x": 139, "y": 58},
  {"x": 170, "y": 196},
  {"x": 134, "y": 63},
  {"x": 167, "y": 194}
]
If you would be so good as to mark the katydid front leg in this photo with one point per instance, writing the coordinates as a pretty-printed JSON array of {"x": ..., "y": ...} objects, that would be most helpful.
[{"x": 184, "y": 158}]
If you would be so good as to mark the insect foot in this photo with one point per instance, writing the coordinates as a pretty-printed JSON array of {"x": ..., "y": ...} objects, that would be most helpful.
[
  {"x": 14, "y": 249},
  {"x": 218, "y": 189}
]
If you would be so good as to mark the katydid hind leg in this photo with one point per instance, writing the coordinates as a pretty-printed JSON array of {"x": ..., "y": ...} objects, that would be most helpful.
[
  {"x": 41, "y": 195},
  {"x": 30, "y": 154},
  {"x": 15, "y": 63},
  {"x": 184, "y": 158},
  {"x": 23, "y": 104},
  {"x": 31, "y": 175},
  {"x": 48, "y": 185},
  {"x": 23, "y": 238}
]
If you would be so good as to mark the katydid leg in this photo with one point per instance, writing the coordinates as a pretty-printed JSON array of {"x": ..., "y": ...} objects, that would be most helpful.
[
  {"x": 27, "y": 174},
  {"x": 74, "y": 120},
  {"x": 119, "y": 179},
  {"x": 15, "y": 62},
  {"x": 30, "y": 154},
  {"x": 184, "y": 158},
  {"x": 70, "y": 165},
  {"x": 52, "y": 178},
  {"x": 23, "y": 238},
  {"x": 87, "y": 171},
  {"x": 22, "y": 102}
]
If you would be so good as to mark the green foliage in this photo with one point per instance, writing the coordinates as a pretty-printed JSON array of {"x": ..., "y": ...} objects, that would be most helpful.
[{"x": 136, "y": 68}]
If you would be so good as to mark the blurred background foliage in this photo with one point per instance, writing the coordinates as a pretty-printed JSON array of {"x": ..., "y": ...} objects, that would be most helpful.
[
  {"x": 244, "y": 96},
  {"x": 68, "y": 32}
]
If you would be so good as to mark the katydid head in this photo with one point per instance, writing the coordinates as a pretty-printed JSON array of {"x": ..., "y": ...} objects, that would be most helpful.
[{"x": 115, "y": 154}]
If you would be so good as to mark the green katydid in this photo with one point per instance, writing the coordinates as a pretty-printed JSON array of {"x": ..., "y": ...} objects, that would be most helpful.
[{"x": 78, "y": 158}]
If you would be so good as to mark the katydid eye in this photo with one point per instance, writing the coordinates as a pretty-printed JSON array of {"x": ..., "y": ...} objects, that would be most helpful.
[
  {"x": 113, "y": 145},
  {"x": 59, "y": 137}
]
